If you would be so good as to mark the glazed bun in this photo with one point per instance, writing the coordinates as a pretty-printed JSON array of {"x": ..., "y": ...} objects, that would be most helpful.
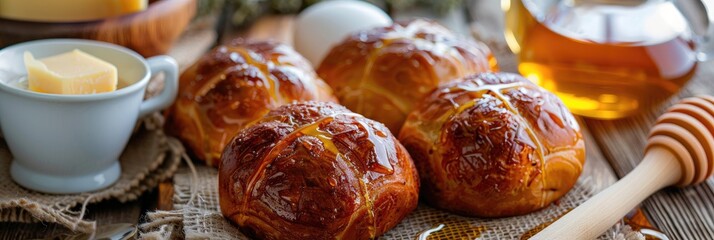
[
  {"x": 234, "y": 85},
  {"x": 316, "y": 170},
  {"x": 493, "y": 145},
  {"x": 383, "y": 72}
]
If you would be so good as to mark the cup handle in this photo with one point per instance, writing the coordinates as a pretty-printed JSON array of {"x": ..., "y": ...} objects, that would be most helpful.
[
  {"x": 169, "y": 67},
  {"x": 705, "y": 45}
]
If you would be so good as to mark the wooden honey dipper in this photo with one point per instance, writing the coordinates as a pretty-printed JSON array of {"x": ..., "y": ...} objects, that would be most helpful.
[{"x": 680, "y": 152}]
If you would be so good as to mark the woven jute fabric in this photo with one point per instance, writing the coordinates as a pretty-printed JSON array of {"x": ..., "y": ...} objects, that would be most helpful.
[
  {"x": 197, "y": 215},
  {"x": 149, "y": 158}
]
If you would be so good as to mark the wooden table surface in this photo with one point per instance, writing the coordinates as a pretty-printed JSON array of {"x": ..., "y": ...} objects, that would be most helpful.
[{"x": 614, "y": 147}]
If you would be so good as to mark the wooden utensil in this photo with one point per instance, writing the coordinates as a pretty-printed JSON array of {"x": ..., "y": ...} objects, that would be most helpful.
[{"x": 679, "y": 152}]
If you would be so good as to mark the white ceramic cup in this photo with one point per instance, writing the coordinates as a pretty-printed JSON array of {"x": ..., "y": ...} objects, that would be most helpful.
[{"x": 72, "y": 143}]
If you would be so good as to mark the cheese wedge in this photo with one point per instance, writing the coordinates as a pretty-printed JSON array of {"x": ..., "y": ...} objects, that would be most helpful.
[
  {"x": 74, "y": 72},
  {"x": 67, "y": 10}
]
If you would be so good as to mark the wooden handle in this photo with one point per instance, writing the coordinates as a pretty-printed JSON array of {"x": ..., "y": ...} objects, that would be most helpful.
[
  {"x": 680, "y": 151},
  {"x": 589, "y": 220}
]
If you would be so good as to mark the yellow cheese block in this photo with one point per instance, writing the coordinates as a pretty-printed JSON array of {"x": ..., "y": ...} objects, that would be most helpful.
[
  {"x": 67, "y": 10},
  {"x": 74, "y": 72}
]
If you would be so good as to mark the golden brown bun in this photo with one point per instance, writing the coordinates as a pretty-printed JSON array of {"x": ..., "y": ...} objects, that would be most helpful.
[
  {"x": 494, "y": 145},
  {"x": 382, "y": 73},
  {"x": 234, "y": 85},
  {"x": 315, "y": 170}
]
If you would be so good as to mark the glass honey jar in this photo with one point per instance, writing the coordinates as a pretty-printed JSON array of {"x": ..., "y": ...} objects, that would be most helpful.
[{"x": 606, "y": 59}]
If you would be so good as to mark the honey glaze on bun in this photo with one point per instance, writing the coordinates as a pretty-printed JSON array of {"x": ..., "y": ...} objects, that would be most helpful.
[
  {"x": 315, "y": 170},
  {"x": 383, "y": 72},
  {"x": 232, "y": 86},
  {"x": 493, "y": 145}
]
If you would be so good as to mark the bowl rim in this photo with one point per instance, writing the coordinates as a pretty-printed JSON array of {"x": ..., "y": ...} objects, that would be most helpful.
[
  {"x": 152, "y": 8},
  {"x": 136, "y": 86}
]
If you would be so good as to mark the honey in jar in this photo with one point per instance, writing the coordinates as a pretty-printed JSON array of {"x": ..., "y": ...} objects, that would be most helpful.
[{"x": 604, "y": 59}]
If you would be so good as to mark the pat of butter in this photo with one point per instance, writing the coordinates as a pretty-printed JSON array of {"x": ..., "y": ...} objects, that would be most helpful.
[
  {"x": 68, "y": 10},
  {"x": 74, "y": 72}
]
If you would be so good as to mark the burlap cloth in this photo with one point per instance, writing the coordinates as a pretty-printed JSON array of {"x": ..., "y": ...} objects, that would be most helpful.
[
  {"x": 149, "y": 158},
  {"x": 197, "y": 216}
]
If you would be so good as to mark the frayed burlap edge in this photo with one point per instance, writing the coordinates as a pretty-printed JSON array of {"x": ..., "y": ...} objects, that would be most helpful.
[
  {"x": 169, "y": 224},
  {"x": 186, "y": 50},
  {"x": 196, "y": 214},
  {"x": 163, "y": 225},
  {"x": 164, "y": 165},
  {"x": 24, "y": 210}
]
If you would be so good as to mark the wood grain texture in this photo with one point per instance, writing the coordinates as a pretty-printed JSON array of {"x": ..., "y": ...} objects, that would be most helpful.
[
  {"x": 682, "y": 213},
  {"x": 278, "y": 28},
  {"x": 487, "y": 25},
  {"x": 273, "y": 27},
  {"x": 165, "y": 199},
  {"x": 149, "y": 32},
  {"x": 618, "y": 199},
  {"x": 679, "y": 213}
]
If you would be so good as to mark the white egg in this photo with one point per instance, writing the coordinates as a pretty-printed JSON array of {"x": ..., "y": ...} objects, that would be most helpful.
[{"x": 323, "y": 25}]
